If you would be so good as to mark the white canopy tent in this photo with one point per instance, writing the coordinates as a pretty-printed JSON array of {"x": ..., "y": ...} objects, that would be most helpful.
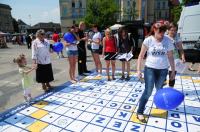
[{"x": 116, "y": 26}]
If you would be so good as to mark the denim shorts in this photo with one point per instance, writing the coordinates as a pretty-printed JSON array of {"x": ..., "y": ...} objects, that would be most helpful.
[{"x": 72, "y": 53}]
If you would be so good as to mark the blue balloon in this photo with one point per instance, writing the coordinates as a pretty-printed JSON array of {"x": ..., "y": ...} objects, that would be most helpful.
[
  {"x": 69, "y": 37},
  {"x": 168, "y": 98},
  {"x": 57, "y": 47}
]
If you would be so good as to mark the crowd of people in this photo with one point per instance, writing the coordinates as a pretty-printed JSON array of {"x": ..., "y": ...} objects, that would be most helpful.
[{"x": 161, "y": 47}]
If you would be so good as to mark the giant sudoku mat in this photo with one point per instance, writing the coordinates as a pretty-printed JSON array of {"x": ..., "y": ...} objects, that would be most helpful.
[{"x": 95, "y": 104}]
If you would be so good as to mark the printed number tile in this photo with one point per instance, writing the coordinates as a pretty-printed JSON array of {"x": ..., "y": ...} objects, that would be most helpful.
[
  {"x": 4, "y": 126},
  {"x": 95, "y": 95},
  {"x": 158, "y": 113},
  {"x": 37, "y": 126},
  {"x": 176, "y": 126},
  {"x": 192, "y": 103},
  {"x": 13, "y": 129},
  {"x": 28, "y": 110},
  {"x": 176, "y": 116},
  {"x": 50, "y": 117},
  {"x": 50, "y": 98},
  {"x": 25, "y": 122},
  {"x": 94, "y": 109},
  {"x": 128, "y": 107},
  {"x": 71, "y": 103},
  {"x": 193, "y": 128},
  {"x": 76, "y": 126},
  {"x": 157, "y": 122},
  {"x": 68, "y": 96},
  {"x": 116, "y": 124},
  {"x": 50, "y": 106},
  {"x": 62, "y": 121},
  {"x": 192, "y": 110},
  {"x": 78, "y": 98},
  {"x": 194, "y": 119},
  {"x": 132, "y": 101},
  {"x": 51, "y": 128},
  {"x": 123, "y": 115},
  {"x": 108, "y": 112},
  {"x": 109, "y": 130},
  {"x": 60, "y": 101},
  {"x": 41, "y": 104},
  {"x": 134, "y": 119},
  {"x": 61, "y": 110},
  {"x": 153, "y": 129},
  {"x": 134, "y": 127},
  {"x": 82, "y": 106},
  {"x": 106, "y": 97},
  {"x": 118, "y": 99},
  {"x": 85, "y": 116},
  {"x": 39, "y": 114},
  {"x": 114, "y": 105},
  {"x": 101, "y": 102},
  {"x": 100, "y": 120},
  {"x": 124, "y": 94},
  {"x": 73, "y": 113},
  {"x": 89, "y": 100},
  {"x": 92, "y": 128},
  {"x": 15, "y": 118}
]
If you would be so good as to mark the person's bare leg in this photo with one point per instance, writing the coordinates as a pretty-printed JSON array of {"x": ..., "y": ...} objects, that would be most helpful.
[
  {"x": 107, "y": 69},
  {"x": 113, "y": 69},
  {"x": 123, "y": 69}
]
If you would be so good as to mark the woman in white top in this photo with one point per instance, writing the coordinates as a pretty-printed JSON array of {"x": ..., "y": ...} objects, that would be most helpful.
[
  {"x": 159, "y": 50},
  {"x": 95, "y": 43},
  {"x": 41, "y": 59},
  {"x": 72, "y": 52},
  {"x": 178, "y": 48}
]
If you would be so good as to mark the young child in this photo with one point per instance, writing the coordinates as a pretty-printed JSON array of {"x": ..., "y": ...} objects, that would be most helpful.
[{"x": 26, "y": 77}]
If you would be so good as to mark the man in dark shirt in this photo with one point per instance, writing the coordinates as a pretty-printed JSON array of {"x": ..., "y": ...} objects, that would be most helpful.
[{"x": 82, "y": 54}]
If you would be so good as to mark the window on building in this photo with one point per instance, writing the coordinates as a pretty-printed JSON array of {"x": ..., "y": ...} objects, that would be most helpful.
[
  {"x": 73, "y": 4},
  {"x": 163, "y": 5},
  {"x": 159, "y": 14},
  {"x": 166, "y": 14},
  {"x": 80, "y": 4},
  {"x": 158, "y": 5}
]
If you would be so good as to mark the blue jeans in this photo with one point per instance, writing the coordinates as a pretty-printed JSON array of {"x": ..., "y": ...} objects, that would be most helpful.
[{"x": 151, "y": 76}]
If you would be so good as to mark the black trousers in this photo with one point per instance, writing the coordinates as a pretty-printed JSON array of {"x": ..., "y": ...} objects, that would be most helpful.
[{"x": 82, "y": 59}]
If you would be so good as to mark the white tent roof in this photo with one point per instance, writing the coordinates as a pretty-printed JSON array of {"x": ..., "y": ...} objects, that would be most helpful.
[{"x": 116, "y": 26}]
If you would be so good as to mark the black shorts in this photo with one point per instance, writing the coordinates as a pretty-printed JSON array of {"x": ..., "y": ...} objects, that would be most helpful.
[
  {"x": 95, "y": 51},
  {"x": 110, "y": 56}
]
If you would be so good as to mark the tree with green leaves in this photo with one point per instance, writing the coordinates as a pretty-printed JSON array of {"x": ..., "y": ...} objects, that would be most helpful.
[
  {"x": 101, "y": 12},
  {"x": 176, "y": 10}
]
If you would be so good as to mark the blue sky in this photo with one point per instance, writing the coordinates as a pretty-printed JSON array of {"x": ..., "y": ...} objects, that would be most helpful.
[{"x": 34, "y": 11}]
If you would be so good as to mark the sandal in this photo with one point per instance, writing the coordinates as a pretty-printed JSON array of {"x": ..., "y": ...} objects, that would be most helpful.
[
  {"x": 141, "y": 118},
  {"x": 45, "y": 88}
]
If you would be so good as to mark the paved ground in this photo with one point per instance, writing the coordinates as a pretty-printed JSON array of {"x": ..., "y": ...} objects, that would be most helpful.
[{"x": 10, "y": 80}]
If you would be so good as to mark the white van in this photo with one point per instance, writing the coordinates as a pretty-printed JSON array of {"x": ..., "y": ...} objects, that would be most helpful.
[{"x": 189, "y": 31}]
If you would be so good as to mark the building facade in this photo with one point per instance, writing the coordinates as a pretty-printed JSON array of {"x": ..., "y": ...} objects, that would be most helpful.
[
  {"x": 161, "y": 10},
  {"x": 148, "y": 10},
  {"x": 6, "y": 22},
  {"x": 48, "y": 27},
  {"x": 22, "y": 26},
  {"x": 70, "y": 12}
]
